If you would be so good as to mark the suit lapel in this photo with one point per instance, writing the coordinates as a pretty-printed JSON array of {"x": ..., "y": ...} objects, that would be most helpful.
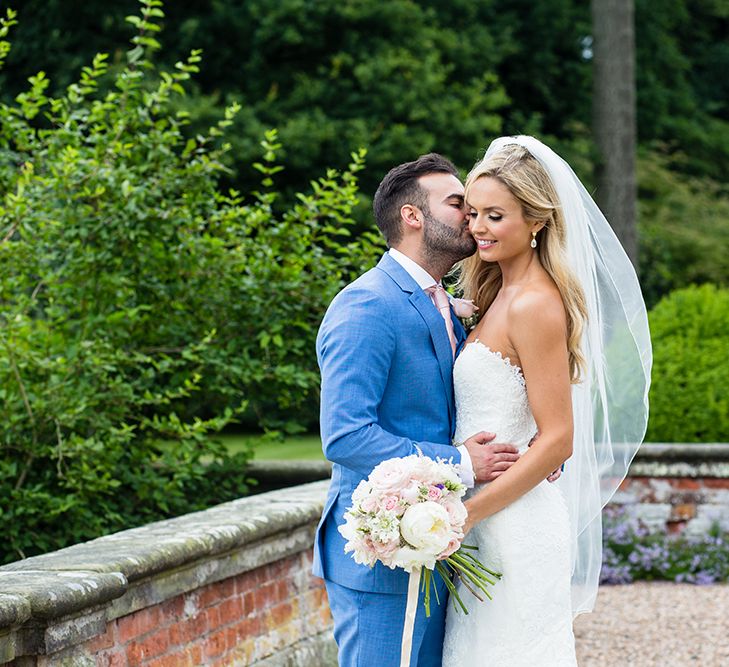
[
  {"x": 438, "y": 334},
  {"x": 432, "y": 318}
]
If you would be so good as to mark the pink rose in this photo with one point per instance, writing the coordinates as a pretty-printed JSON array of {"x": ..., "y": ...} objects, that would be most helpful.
[
  {"x": 390, "y": 476},
  {"x": 369, "y": 504},
  {"x": 390, "y": 502},
  {"x": 426, "y": 471},
  {"x": 434, "y": 493},
  {"x": 386, "y": 550},
  {"x": 463, "y": 307},
  {"x": 452, "y": 547},
  {"x": 456, "y": 512}
]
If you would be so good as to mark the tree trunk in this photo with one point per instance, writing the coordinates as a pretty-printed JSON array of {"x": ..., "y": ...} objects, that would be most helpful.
[{"x": 614, "y": 117}]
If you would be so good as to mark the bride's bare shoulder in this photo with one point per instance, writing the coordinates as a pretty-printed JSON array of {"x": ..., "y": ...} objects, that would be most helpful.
[{"x": 539, "y": 304}]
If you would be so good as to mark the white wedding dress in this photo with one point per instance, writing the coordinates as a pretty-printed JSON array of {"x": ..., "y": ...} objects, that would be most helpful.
[{"x": 529, "y": 621}]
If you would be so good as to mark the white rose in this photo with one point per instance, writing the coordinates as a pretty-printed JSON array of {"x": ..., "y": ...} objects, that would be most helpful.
[
  {"x": 426, "y": 470},
  {"x": 364, "y": 489},
  {"x": 411, "y": 493},
  {"x": 427, "y": 527}
]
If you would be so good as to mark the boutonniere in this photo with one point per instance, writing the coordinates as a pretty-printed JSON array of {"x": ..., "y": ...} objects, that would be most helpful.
[{"x": 464, "y": 308}]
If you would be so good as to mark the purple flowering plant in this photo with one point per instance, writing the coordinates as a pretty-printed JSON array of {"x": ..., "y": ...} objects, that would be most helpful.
[{"x": 631, "y": 552}]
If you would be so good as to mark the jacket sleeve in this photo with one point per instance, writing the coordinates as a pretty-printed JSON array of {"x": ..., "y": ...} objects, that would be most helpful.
[{"x": 356, "y": 346}]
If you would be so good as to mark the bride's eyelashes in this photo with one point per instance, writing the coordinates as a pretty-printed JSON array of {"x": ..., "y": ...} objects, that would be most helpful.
[{"x": 495, "y": 217}]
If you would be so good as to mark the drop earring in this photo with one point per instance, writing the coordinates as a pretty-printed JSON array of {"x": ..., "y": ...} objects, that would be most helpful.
[{"x": 533, "y": 244}]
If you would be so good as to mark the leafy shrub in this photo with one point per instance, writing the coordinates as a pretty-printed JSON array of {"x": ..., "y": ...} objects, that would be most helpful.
[
  {"x": 683, "y": 227},
  {"x": 689, "y": 398},
  {"x": 631, "y": 552},
  {"x": 143, "y": 308}
]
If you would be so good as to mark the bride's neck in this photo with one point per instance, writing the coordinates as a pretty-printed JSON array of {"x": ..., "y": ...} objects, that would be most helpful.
[{"x": 517, "y": 270}]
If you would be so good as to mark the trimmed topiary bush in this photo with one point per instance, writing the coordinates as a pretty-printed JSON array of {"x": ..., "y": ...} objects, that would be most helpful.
[{"x": 689, "y": 398}]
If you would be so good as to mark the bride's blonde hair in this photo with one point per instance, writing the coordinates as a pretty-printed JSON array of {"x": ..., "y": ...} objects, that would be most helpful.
[{"x": 529, "y": 183}]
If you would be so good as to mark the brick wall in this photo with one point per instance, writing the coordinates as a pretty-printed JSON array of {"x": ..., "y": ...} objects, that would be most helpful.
[
  {"x": 232, "y": 585},
  {"x": 237, "y": 621},
  {"x": 679, "y": 505},
  {"x": 253, "y": 604},
  {"x": 678, "y": 488}
]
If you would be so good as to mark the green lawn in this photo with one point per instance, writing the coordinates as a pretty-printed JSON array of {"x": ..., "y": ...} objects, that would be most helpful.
[{"x": 293, "y": 448}]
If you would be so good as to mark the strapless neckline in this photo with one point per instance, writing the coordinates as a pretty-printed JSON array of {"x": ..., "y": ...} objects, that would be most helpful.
[
  {"x": 481, "y": 345},
  {"x": 491, "y": 395}
]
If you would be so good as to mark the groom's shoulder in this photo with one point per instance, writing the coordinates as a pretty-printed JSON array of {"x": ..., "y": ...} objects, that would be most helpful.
[
  {"x": 375, "y": 282},
  {"x": 374, "y": 289},
  {"x": 375, "y": 279}
]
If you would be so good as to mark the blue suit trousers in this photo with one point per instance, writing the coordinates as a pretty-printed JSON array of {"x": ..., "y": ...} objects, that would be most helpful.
[{"x": 368, "y": 627}]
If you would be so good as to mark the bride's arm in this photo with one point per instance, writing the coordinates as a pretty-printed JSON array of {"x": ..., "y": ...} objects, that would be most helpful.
[{"x": 537, "y": 323}]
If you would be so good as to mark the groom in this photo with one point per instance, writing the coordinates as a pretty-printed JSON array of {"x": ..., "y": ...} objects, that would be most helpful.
[{"x": 386, "y": 350}]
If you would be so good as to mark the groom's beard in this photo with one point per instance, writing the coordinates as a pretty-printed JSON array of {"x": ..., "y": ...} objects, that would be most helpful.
[{"x": 445, "y": 245}]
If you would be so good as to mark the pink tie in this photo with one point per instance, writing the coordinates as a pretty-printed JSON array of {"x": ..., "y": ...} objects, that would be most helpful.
[{"x": 443, "y": 305}]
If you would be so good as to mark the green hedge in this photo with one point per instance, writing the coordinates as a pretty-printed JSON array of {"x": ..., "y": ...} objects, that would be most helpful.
[
  {"x": 144, "y": 307},
  {"x": 689, "y": 398}
]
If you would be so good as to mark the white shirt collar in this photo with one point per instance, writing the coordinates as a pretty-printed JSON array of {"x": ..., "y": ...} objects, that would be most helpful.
[{"x": 416, "y": 272}]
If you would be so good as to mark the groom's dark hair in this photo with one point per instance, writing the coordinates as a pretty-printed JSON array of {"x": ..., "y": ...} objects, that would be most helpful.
[{"x": 401, "y": 186}]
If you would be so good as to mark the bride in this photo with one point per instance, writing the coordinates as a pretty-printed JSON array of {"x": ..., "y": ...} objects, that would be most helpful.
[{"x": 563, "y": 351}]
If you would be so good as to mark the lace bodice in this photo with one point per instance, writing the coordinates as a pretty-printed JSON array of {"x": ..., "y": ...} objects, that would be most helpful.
[{"x": 491, "y": 395}]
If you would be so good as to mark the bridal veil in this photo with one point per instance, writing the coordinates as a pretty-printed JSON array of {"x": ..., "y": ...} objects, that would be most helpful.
[{"x": 610, "y": 403}]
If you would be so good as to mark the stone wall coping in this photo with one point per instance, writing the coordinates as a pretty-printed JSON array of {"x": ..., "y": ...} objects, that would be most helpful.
[
  {"x": 653, "y": 458},
  {"x": 678, "y": 451},
  {"x": 275, "y": 470},
  {"x": 85, "y": 575},
  {"x": 688, "y": 452}
]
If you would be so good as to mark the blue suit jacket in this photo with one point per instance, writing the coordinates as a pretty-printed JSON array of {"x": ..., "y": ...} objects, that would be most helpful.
[{"x": 386, "y": 386}]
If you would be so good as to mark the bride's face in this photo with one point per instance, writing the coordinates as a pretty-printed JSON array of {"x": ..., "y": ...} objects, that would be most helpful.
[{"x": 496, "y": 221}]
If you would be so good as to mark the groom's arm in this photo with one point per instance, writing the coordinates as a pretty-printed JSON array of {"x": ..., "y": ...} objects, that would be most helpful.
[{"x": 356, "y": 347}]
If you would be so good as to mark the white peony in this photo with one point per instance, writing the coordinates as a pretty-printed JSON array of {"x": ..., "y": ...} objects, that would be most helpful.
[
  {"x": 427, "y": 527},
  {"x": 410, "y": 559}
]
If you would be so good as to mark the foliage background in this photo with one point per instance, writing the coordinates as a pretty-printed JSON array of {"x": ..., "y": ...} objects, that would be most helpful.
[
  {"x": 165, "y": 258},
  {"x": 403, "y": 78},
  {"x": 144, "y": 308}
]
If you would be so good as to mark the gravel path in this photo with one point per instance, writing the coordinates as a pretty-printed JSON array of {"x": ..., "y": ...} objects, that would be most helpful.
[{"x": 656, "y": 624}]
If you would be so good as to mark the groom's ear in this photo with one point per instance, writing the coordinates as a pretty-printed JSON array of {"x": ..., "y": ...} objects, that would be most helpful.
[{"x": 411, "y": 216}]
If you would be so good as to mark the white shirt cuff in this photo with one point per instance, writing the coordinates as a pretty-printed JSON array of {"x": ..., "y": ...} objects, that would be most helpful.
[{"x": 465, "y": 467}]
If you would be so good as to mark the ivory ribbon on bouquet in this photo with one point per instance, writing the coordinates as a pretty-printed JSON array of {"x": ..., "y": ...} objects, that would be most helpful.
[{"x": 411, "y": 609}]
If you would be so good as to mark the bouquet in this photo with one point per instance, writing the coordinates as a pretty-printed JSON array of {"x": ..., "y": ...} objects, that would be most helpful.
[{"x": 408, "y": 513}]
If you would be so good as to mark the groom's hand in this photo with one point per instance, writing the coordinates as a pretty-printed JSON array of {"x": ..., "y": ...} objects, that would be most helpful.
[{"x": 489, "y": 459}]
